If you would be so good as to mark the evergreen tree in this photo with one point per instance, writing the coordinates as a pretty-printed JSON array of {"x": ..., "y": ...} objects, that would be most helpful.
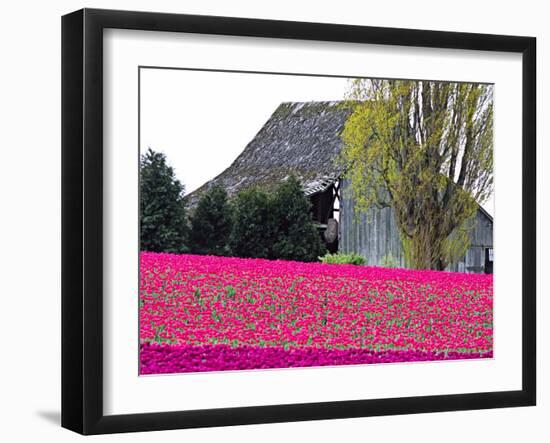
[
  {"x": 211, "y": 223},
  {"x": 296, "y": 236},
  {"x": 252, "y": 234},
  {"x": 163, "y": 225}
]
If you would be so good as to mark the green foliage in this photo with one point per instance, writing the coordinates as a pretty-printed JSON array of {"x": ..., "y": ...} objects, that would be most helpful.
[
  {"x": 296, "y": 236},
  {"x": 277, "y": 227},
  {"x": 253, "y": 230},
  {"x": 343, "y": 259},
  {"x": 457, "y": 243},
  {"x": 256, "y": 224},
  {"x": 389, "y": 261},
  {"x": 163, "y": 225},
  {"x": 426, "y": 149},
  {"x": 211, "y": 223}
]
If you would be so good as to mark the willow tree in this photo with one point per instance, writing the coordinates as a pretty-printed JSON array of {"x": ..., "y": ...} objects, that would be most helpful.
[{"x": 426, "y": 149}]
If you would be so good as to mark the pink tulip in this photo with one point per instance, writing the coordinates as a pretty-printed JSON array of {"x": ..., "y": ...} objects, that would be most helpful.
[{"x": 196, "y": 304}]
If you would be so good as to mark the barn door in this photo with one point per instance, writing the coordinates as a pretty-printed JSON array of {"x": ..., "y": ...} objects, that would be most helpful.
[{"x": 488, "y": 260}]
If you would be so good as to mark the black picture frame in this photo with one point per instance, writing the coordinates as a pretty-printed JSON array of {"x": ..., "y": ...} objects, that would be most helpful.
[{"x": 82, "y": 215}]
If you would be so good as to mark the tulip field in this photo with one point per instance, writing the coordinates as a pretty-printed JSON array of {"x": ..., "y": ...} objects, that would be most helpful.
[{"x": 205, "y": 313}]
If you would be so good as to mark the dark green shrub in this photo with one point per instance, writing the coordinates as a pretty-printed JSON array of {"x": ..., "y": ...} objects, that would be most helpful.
[
  {"x": 163, "y": 224},
  {"x": 253, "y": 233},
  {"x": 211, "y": 223},
  {"x": 296, "y": 234}
]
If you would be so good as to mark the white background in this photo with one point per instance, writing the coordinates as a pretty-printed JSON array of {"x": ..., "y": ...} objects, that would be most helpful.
[{"x": 30, "y": 187}]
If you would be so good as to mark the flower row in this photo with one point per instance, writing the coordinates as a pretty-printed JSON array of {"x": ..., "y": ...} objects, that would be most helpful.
[{"x": 205, "y": 300}]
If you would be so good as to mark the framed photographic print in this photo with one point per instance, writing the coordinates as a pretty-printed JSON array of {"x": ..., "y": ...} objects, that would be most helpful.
[{"x": 313, "y": 220}]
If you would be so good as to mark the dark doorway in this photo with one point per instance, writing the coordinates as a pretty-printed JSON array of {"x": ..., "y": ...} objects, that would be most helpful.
[
  {"x": 323, "y": 212},
  {"x": 488, "y": 260}
]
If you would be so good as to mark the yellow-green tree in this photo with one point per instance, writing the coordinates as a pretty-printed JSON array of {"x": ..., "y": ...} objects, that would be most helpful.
[{"x": 426, "y": 149}]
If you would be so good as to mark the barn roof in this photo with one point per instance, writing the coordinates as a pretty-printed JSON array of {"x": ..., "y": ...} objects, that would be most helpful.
[
  {"x": 302, "y": 138},
  {"x": 485, "y": 213}
]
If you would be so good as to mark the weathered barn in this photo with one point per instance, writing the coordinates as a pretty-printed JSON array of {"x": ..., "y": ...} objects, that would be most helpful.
[
  {"x": 375, "y": 236},
  {"x": 304, "y": 139}
]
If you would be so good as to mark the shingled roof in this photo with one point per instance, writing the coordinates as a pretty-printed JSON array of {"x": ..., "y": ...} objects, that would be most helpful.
[{"x": 300, "y": 138}]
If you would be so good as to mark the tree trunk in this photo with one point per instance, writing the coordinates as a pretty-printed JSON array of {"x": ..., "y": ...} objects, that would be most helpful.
[{"x": 424, "y": 250}]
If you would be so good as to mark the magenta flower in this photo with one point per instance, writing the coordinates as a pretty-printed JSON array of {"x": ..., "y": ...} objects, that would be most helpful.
[{"x": 203, "y": 313}]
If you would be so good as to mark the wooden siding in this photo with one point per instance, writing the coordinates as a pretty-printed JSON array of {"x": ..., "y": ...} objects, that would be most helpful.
[{"x": 374, "y": 234}]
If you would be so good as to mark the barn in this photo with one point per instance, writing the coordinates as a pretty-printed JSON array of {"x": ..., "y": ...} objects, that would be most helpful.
[{"x": 303, "y": 138}]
